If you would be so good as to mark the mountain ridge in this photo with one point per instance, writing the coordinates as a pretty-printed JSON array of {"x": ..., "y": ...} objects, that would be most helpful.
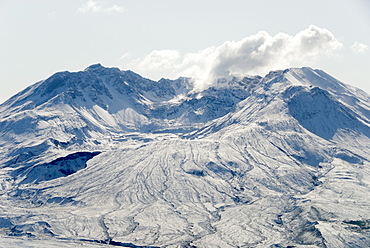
[{"x": 105, "y": 155}]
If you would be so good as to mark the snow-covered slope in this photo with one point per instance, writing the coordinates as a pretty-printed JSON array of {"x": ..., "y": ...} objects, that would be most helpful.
[{"x": 107, "y": 157}]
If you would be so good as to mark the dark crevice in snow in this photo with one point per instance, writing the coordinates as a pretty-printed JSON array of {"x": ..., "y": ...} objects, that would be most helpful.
[
  {"x": 116, "y": 243},
  {"x": 59, "y": 167}
]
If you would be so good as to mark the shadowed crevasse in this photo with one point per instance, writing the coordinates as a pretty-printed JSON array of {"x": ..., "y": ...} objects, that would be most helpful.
[{"x": 60, "y": 167}]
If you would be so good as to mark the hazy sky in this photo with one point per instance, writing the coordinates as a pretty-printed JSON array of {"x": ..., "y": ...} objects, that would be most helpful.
[{"x": 169, "y": 38}]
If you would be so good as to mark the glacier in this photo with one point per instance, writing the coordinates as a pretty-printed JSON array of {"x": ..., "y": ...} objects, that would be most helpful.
[{"x": 104, "y": 157}]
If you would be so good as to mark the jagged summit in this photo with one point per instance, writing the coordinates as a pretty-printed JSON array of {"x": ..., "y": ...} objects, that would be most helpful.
[
  {"x": 95, "y": 67},
  {"x": 108, "y": 156}
]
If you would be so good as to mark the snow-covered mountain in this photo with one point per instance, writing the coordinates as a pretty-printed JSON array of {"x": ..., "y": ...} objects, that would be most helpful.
[{"x": 106, "y": 157}]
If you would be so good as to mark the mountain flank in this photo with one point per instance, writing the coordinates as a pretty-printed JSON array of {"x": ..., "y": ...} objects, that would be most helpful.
[{"x": 104, "y": 157}]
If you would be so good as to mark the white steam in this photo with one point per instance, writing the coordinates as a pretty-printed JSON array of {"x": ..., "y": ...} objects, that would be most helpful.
[{"x": 255, "y": 54}]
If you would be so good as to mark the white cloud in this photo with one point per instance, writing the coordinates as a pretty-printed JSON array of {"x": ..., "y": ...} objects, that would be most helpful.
[
  {"x": 358, "y": 47},
  {"x": 159, "y": 60},
  {"x": 255, "y": 54},
  {"x": 98, "y": 6},
  {"x": 115, "y": 8}
]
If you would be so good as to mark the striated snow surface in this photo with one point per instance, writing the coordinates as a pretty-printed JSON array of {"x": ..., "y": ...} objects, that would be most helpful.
[{"x": 103, "y": 158}]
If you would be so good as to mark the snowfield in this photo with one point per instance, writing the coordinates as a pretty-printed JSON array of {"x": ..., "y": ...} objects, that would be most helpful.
[{"x": 104, "y": 158}]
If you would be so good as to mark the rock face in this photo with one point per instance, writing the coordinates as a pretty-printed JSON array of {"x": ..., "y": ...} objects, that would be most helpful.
[{"x": 107, "y": 156}]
